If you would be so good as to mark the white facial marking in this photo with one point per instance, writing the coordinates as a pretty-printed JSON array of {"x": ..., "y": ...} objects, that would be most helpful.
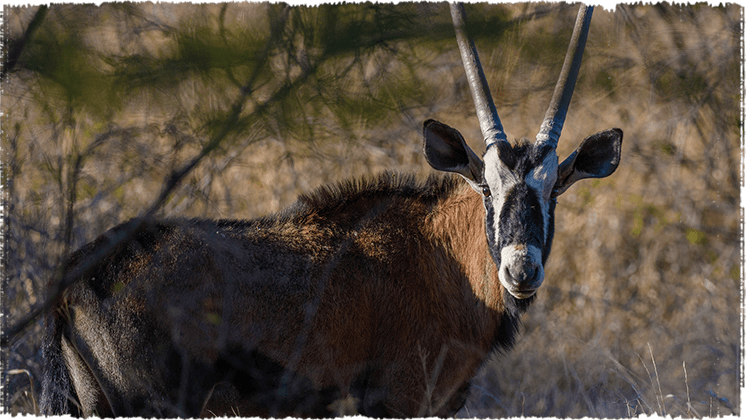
[
  {"x": 517, "y": 261},
  {"x": 542, "y": 179},
  {"x": 500, "y": 179}
]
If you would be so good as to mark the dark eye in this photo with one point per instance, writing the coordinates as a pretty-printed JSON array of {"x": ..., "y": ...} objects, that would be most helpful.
[{"x": 486, "y": 191}]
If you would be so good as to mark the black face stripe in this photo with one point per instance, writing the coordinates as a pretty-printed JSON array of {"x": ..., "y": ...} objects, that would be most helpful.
[
  {"x": 489, "y": 222},
  {"x": 550, "y": 232},
  {"x": 521, "y": 219}
]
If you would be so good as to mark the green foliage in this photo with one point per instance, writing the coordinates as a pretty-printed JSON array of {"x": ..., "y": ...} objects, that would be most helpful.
[
  {"x": 686, "y": 83},
  {"x": 299, "y": 59},
  {"x": 67, "y": 68},
  {"x": 696, "y": 237},
  {"x": 665, "y": 147}
]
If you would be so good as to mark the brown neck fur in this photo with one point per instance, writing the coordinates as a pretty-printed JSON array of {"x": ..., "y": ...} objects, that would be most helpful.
[{"x": 458, "y": 223}]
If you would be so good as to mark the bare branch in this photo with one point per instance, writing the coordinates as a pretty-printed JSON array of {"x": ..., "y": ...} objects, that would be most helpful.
[{"x": 16, "y": 48}]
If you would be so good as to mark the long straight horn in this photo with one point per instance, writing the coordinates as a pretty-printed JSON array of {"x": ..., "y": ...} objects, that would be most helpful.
[
  {"x": 554, "y": 119},
  {"x": 489, "y": 122}
]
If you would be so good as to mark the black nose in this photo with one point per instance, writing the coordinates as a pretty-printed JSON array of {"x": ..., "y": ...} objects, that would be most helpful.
[{"x": 524, "y": 274}]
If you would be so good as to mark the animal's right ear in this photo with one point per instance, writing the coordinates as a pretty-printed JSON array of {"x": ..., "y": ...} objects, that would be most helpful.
[{"x": 446, "y": 150}]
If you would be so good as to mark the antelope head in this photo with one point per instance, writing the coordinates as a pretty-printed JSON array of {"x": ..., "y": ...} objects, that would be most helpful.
[{"x": 520, "y": 183}]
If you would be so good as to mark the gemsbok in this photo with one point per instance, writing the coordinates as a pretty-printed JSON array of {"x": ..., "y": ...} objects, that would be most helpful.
[{"x": 383, "y": 294}]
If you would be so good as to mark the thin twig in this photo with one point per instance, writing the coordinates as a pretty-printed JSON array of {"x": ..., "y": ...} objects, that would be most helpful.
[
  {"x": 688, "y": 399},
  {"x": 662, "y": 403},
  {"x": 651, "y": 381},
  {"x": 31, "y": 383}
]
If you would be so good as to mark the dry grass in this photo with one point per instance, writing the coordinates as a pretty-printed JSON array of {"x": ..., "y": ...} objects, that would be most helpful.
[{"x": 639, "y": 312}]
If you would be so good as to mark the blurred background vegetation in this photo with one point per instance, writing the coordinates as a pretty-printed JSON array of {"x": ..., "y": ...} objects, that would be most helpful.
[{"x": 253, "y": 103}]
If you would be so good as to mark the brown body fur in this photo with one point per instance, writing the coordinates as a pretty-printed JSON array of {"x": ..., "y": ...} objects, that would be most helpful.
[{"x": 384, "y": 292}]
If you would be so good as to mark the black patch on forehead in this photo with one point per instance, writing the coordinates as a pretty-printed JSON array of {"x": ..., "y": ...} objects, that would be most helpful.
[
  {"x": 505, "y": 153},
  {"x": 523, "y": 156},
  {"x": 538, "y": 154}
]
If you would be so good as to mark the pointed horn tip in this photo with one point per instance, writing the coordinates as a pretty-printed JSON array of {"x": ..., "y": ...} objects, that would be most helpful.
[{"x": 554, "y": 119}]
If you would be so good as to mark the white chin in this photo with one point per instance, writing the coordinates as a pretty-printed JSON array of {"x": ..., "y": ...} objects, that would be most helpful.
[{"x": 521, "y": 294}]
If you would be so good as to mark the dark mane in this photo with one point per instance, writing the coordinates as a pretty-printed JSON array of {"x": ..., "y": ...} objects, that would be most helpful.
[{"x": 364, "y": 193}]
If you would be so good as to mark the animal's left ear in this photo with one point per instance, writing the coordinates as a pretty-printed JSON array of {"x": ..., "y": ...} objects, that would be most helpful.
[{"x": 597, "y": 157}]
